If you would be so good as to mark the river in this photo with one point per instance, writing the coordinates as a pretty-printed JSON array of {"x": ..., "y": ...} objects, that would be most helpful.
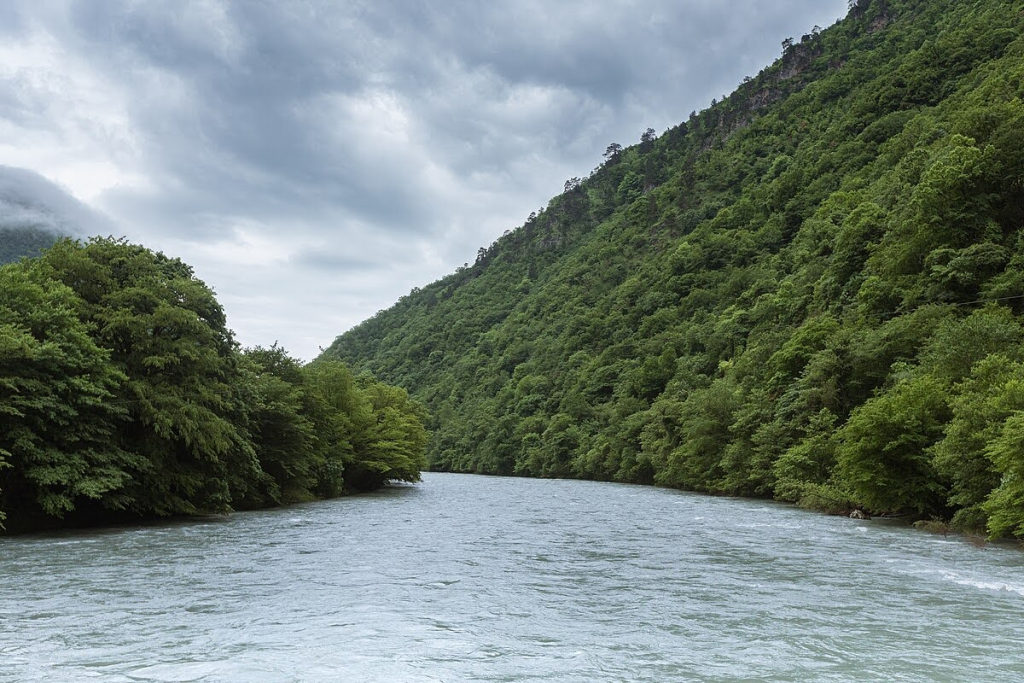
[{"x": 464, "y": 578}]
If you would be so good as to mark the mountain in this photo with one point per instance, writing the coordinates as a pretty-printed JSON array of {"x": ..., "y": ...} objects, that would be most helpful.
[
  {"x": 35, "y": 212},
  {"x": 16, "y": 242},
  {"x": 810, "y": 291}
]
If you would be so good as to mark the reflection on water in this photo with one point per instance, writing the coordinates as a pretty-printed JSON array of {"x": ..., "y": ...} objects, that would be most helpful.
[{"x": 467, "y": 578}]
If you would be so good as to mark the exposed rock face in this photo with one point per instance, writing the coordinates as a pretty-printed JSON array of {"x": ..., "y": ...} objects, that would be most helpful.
[{"x": 878, "y": 23}]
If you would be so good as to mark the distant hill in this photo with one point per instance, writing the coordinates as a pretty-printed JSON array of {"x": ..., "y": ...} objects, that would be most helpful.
[
  {"x": 35, "y": 212},
  {"x": 26, "y": 241},
  {"x": 811, "y": 290}
]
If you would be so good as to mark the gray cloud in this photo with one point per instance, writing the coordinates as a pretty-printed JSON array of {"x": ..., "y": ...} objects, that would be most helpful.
[
  {"x": 28, "y": 200},
  {"x": 347, "y": 152},
  {"x": 334, "y": 262}
]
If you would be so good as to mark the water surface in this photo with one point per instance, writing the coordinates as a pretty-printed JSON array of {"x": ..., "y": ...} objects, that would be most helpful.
[{"x": 466, "y": 578}]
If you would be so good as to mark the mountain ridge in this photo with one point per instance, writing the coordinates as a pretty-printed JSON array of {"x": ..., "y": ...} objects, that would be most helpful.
[{"x": 729, "y": 306}]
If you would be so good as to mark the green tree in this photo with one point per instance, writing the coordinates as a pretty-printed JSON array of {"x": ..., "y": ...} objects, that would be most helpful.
[
  {"x": 1005, "y": 505},
  {"x": 982, "y": 404},
  {"x": 165, "y": 332},
  {"x": 58, "y": 416},
  {"x": 282, "y": 433},
  {"x": 884, "y": 450}
]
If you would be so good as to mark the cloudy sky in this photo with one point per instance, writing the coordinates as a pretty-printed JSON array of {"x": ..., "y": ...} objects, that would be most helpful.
[{"x": 315, "y": 160}]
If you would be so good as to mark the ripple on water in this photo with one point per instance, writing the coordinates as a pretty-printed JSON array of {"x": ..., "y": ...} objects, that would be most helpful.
[{"x": 490, "y": 579}]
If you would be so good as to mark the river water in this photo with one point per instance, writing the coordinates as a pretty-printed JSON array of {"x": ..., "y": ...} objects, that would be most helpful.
[{"x": 464, "y": 578}]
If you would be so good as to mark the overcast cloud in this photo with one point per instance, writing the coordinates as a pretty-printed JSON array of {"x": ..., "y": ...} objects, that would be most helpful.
[{"x": 316, "y": 160}]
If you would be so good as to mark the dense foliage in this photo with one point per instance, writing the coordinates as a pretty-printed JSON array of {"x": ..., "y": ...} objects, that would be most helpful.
[
  {"x": 810, "y": 290},
  {"x": 123, "y": 394}
]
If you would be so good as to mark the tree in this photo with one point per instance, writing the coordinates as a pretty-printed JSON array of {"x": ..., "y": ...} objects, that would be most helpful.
[
  {"x": 282, "y": 433},
  {"x": 123, "y": 393},
  {"x": 984, "y": 402},
  {"x": 647, "y": 140},
  {"x": 884, "y": 454},
  {"x": 58, "y": 417},
  {"x": 393, "y": 445},
  {"x": 165, "y": 331},
  {"x": 1005, "y": 505},
  {"x": 704, "y": 421},
  {"x": 612, "y": 153}
]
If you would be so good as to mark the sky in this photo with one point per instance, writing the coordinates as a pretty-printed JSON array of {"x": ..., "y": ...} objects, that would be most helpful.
[{"x": 315, "y": 160}]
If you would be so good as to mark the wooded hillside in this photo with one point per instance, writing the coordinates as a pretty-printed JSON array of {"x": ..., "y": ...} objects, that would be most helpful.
[{"x": 811, "y": 290}]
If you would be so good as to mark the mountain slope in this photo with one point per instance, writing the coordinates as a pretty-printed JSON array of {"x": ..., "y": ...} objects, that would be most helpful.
[
  {"x": 805, "y": 291},
  {"x": 16, "y": 242}
]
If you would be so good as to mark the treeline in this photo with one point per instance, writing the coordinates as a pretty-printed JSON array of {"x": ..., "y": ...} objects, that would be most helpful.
[
  {"x": 811, "y": 290},
  {"x": 124, "y": 395}
]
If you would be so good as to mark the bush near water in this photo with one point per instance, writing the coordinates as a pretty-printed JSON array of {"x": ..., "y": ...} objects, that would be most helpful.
[
  {"x": 810, "y": 290},
  {"x": 123, "y": 395}
]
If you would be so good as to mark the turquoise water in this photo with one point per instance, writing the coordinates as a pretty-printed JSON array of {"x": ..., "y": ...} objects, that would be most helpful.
[{"x": 466, "y": 578}]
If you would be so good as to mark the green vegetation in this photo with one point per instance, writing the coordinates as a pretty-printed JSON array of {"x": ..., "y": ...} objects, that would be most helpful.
[
  {"x": 123, "y": 394},
  {"x": 811, "y": 290}
]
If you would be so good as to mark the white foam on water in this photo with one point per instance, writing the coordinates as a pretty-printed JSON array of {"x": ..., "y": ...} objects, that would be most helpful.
[
  {"x": 176, "y": 673},
  {"x": 983, "y": 585},
  {"x": 970, "y": 582}
]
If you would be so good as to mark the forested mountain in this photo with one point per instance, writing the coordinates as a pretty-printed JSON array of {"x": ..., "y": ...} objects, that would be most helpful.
[
  {"x": 811, "y": 290},
  {"x": 123, "y": 395},
  {"x": 16, "y": 242}
]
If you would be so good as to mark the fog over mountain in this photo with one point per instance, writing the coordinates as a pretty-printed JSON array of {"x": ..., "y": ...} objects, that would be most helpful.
[{"x": 28, "y": 200}]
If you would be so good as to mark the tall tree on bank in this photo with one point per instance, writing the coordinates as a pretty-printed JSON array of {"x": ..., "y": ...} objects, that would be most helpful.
[
  {"x": 167, "y": 334},
  {"x": 59, "y": 419}
]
